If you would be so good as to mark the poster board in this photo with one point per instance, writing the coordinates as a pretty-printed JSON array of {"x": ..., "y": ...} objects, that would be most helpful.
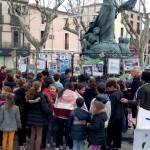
[
  {"x": 13, "y": 55},
  {"x": 87, "y": 69},
  {"x": 64, "y": 65},
  {"x": 113, "y": 66},
  {"x": 52, "y": 68},
  {"x": 23, "y": 67},
  {"x": 41, "y": 64},
  {"x": 98, "y": 69},
  {"x": 32, "y": 68},
  {"x": 128, "y": 64}
]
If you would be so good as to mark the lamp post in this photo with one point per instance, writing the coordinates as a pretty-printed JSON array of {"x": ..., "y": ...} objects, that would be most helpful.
[{"x": 79, "y": 26}]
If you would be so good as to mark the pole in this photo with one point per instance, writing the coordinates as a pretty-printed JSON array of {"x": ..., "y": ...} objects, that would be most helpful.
[{"x": 79, "y": 30}]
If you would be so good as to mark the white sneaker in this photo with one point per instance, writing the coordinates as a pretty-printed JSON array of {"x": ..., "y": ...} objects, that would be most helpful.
[{"x": 48, "y": 145}]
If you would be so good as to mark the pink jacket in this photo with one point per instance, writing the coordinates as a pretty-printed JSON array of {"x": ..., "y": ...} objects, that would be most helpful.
[{"x": 65, "y": 104}]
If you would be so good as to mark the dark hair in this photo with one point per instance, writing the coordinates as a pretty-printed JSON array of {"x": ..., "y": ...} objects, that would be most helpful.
[
  {"x": 3, "y": 67},
  {"x": 18, "y": 72},
  {"x": 97, "y": 78},
  {"x": 11, "y": 101},
  {"x": 31, "y": 92},
  {"x": 101, "y": 88},
  {"x": 68, "y": 85},
  {"x": 39, "y": 75},
  {"x": 87, "y": 78},
  {"x": 111, "y": 83},
  {"x": 10, "y": 76},
  {"x": 7, "y": 89},
  {"x": 121, "y": 84},
  {"x": 24, "y": 75},
  {"x": 30, "y": 77},
  {"x": 145, "y": 76},
  {"x": 68, "y": 71},
  {"x": 80, "y": 102},
  {"x": 45, "y": 73},
  {"x": 92, "y": 83},
  {"x": 82, "y": 78},
  {"x": 31, "y": 74},
  {"x": 56, "y": 76},
  {"x": 80, "y": 86},
  {"x": 73, "y": 79},
  {"x": 128, "y": 84}
]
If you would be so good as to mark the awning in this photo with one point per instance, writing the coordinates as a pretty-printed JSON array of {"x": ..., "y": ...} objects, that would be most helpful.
[{"x": 6, "y": 52}]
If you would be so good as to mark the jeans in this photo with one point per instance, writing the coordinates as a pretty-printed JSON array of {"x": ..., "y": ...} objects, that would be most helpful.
[
  {"x": 62, "y": 124},
  {"x": 44, "y": 136},
  {"x": 8, "y": 136},
  {"x": 114, "y": 133},
  {"x": 52, "y": 129},
  {"x": 78, "y": 145},
  {"x": 103, "y": 145}
]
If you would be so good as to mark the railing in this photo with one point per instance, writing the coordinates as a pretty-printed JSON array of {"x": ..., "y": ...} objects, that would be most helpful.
[
  {"x": 1, "y": 19},
  {"x": 9, "y": 45},
  {"x": 14, "y": 21}
]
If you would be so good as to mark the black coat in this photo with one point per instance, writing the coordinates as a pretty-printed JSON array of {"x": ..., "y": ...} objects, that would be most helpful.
[
  {"x": 11, "y": 84},
  {"x": 88, "y": 96},
  {"x": 135, "y": 85},
  {"x": 47, "y": 82},
  {"x": 97, "y": 128},
  {"x": 77, "y": 124},
  {"x": 38, "y": 111},
  {"x": 117, "y": 108}
]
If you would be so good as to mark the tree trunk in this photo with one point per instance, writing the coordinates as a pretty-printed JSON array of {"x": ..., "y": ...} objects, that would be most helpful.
[{"x": 141, "y": 58}]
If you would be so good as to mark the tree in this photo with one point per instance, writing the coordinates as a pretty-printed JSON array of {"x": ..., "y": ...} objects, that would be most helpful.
[
  {"x": 76, "y": 8},
  {"x": 47, "y": 14},
  {"x": 140, "y": 41}
]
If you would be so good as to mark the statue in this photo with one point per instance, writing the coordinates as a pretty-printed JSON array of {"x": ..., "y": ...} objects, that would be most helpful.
[
  {"x": 105, "y": 21},
  {"x": 90, "y": 39}
]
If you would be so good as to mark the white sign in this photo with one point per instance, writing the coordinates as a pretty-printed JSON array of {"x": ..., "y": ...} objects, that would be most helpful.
[
  {"x": 98, "y": 69},
  {"x": 41, "y": 64},
  {"x": 23, "y": 67},
  {"x": 54, "y": 56},
  {"x": 113, "y": 66},
  {"x": 62, "y": 57},
  {"x": 68, "y": 56}
]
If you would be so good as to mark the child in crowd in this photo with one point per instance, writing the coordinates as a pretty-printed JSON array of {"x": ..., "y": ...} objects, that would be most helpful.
[
  {"x": 52, "y": 91},
  {"x": 9, "y": 121},
  {"x": 57, "y": 83},
  {"x": 96, "y": 128},
  {"x": 101, "y": 97},
  {"x": 77, "y": 125},
  {"x": 52, "y": 129}
]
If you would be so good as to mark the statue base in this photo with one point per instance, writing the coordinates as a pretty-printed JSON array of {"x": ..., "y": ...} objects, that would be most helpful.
[{"x": 112, "y": 50}]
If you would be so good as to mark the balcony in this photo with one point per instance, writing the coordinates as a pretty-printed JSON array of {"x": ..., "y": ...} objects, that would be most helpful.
[
  {"x": 14, "y": 21},
  {"x": 1, "y": 19},
  {"x": 9, "y": 45}
]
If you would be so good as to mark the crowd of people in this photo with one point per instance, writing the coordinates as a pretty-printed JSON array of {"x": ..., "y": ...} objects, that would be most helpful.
[{"x": 65, "y": 109}]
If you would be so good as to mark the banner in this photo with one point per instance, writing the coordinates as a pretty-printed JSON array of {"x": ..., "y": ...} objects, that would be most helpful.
[{"x": 89, "y": 62}]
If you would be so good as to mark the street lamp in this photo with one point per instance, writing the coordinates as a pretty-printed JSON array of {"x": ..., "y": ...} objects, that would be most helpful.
[{"x": 79, "y": 28}]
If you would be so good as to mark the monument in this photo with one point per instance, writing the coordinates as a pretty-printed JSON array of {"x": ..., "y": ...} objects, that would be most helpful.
[{"x": 100, "y": 37}]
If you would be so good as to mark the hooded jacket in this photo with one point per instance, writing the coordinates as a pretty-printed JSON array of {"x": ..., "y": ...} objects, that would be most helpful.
[
  {"x": 64, "y": 79},
  {"x": 97, "y": 128},
  {"x": 9, "y": 120},
  {"x": 11, "y": 84},
  {"x": 106, "y": 101},
  {"x": 65, "y": 104},
  {"x": 88, "y": 96},
  {"x": 77, "y": 124}
]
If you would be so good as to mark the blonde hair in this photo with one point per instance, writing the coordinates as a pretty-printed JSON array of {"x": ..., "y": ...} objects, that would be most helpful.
[{"x": 11, "y": 101}]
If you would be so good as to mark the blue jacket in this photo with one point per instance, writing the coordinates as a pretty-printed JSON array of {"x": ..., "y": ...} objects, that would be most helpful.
[
  {"x": 64, "y": 79},
  {"x": 77, "y": 124}
]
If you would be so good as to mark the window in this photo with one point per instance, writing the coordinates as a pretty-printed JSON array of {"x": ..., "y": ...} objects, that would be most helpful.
[
  {"x": 138, "y": 17},
  {"x": 148, "y": 49},
  {"x": 42, "y": 21},
  {"x": 51, "y": 37},
  {"x": 131, "y": 15},
  {"x": 15, "y": 39},
  {"x": 66, "y": 40},
  {"x": 138, "y": 28},
  {"x": 131, "y": 23},
  {"x": 121, "y": 32}
]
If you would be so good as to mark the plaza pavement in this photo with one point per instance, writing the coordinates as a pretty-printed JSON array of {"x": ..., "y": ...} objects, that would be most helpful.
[{"x": 125, "y": 144}]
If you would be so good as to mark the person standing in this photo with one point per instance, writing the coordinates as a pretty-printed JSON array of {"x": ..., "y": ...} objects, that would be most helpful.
[
  {"x": 2, "y": 75},
  {"x": 114, "y": 129},
  {"x": 65, "y": 77},
  {"x": 135, "y": 72}
]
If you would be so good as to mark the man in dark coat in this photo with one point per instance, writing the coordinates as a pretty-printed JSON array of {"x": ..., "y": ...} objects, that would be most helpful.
[
  {"x": 64, "y": 77},
  {"x": 135, "y": 72}
]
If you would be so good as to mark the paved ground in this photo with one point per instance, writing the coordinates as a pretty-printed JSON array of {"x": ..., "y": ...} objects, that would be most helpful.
[{"x": 125, "y": 144}]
